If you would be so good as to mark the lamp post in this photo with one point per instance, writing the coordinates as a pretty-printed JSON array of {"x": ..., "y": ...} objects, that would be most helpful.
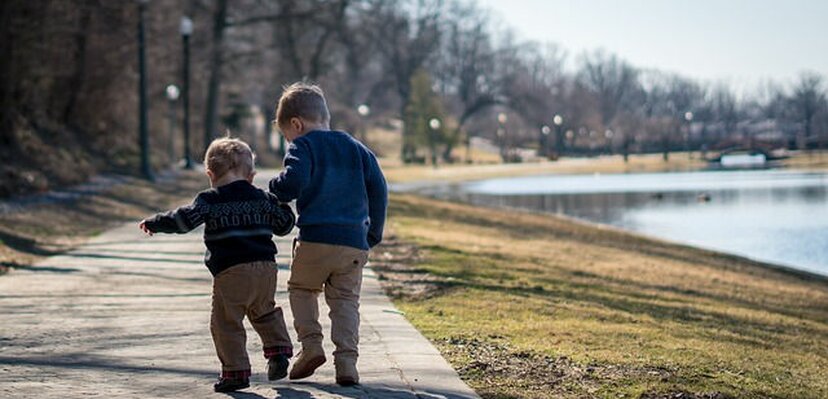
[
  {"x": 186, "y": 29},
  {"x": 143, "y": 133},
  {"x": 557, "y": 120},
  {"x": 544, "y": 141},
  {"x": 172, "y": 95},
  {"x": 501, "y": 134},
  {"x": 608, "y": 134},
  {"x": 363, "y": 110},
  {"x": 434, "y": 124},
  {"x": 688, "y": 116},
  {"x": 467, "y": 138}
]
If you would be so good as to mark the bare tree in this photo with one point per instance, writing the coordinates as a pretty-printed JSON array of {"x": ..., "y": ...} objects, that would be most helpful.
[
  {"x": 410, "y": 33},
  {"x": 724, "y": 109},
  {"x": 304, "y": 40},
  {"x": 808, "y": 98},
  {"x": 216, "y": 61},
  {"x": 614, "y": 83},
  {"x": 466, "y": 69},
  {"x": 537, "y": 91}
]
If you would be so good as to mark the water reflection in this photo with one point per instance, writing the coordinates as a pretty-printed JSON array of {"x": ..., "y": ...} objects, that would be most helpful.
[{"x": 773, "y": 216}]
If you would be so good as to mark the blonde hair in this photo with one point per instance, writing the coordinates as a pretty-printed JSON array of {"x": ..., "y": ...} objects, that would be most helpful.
[
  {"x": 226, "y": 154},
  {"x": 302, "y": 100}
]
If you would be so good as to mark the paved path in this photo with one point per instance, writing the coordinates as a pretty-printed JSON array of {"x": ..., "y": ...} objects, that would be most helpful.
[{"x": 127, "y": 316}]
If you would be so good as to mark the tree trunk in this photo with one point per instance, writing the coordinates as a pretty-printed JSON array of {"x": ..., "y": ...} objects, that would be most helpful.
[
  {"x": 625, "y": 147},
  {"x": 7, "y": 79},
  {"x": 214, "y": 86},
  {"x": 450, "y": 143},
  {"x": 79, "y": 70}
]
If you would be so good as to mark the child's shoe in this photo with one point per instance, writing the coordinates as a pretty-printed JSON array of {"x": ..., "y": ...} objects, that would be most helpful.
[
  {"x": 277, "y": 367},
  {"x": 309, "y": 359},
  {"x": 346, "y": 373},
  {"x": 231, "y": 384}
]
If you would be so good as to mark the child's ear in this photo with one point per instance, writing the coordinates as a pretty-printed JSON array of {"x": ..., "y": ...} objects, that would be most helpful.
[
  {"x": 210, "y": 174},
  {"x": 250, "y": 176},
  {"x": 297, "y": 124}
]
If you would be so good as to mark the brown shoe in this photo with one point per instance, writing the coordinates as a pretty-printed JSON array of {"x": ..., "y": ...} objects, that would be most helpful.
[
  {"x": 346, "y": 373},
  {"x": 307, "y": 362}
]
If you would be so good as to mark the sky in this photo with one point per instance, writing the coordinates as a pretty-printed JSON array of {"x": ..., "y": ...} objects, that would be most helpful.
[{"x": 739, "y": 42}]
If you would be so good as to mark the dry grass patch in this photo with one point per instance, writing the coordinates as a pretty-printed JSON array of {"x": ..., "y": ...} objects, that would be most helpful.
[{"x": 809, "y": 160}]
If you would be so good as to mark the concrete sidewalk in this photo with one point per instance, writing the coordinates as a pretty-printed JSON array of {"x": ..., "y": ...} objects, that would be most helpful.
[{"x": 127, "y": 316}]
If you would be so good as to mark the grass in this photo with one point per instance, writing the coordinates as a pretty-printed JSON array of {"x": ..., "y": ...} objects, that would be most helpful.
[
  {"x": 526, "y": 305},
  {"x": 808, "y": 160},
  {"x": 42, "y": 230}
]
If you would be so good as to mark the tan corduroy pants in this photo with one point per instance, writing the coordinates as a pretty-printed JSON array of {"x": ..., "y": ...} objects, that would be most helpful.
[
  {"x": 247, "y": 290},
  {"x": 337, "y": 270}
]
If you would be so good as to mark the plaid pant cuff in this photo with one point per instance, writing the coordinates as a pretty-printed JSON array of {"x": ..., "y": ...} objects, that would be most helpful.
[
  {"x": 278, "y": 350},
  {"x": 235, "y": 374}
]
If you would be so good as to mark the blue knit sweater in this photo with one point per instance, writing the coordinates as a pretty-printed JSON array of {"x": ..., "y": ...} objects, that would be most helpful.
[{"x": 340, "y": 192}]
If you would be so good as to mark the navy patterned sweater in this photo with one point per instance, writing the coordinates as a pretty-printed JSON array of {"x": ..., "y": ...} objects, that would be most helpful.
[{"x": 239, "y": 221}]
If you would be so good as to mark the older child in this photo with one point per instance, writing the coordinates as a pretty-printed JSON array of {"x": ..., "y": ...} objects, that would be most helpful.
[
  {"x": 341, "y": 197},
  {"x": 239, "y": 222}
]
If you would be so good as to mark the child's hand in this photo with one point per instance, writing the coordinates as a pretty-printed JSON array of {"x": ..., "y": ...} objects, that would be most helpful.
[{"x": 144, "y": 228}]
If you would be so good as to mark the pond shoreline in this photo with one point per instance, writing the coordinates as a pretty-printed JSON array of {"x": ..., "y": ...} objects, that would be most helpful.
[
  {"x": 787, "y": 269},
  {"x": 657, "y": 205}
]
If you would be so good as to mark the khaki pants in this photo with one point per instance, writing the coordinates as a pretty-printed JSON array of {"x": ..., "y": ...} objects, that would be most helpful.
[
  {"x": 247, "y": 290},
  {"x": 337, "y": 270}
]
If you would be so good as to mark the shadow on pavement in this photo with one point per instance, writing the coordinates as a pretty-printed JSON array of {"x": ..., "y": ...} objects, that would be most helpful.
[
  {"x": 363, "y": 391},
  {"x": 23, "y": 244},
  {"x": 133, "y": 258},
  {"x": 245, "y": 395},
  {"x": 167, "y": 240},
  {"x": 164, "y": 276},
  {"x": 83, "y": 361},
  {"x": 185, "y": 295},
  {"x": 31, "y": 268},
  {"x": 149, "y": 251}
]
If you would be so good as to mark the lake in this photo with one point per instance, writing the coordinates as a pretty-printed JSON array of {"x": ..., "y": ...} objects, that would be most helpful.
[{"x": 774, "y": 216}]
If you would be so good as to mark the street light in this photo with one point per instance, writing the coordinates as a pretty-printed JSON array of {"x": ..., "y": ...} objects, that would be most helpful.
[
  {"x": 557, "y": 120},
  {"x": 186, "y": 29},
  {"x": 688, "y": 116},
  {"x": 363, "y": 110},
  {"x": 434, "y": 124},
  {"x": 172, "y": 95},
  {"x": 143, "y": 117},
  {"x": 544, "y": 139},
  {"x": 608, "y": 134},
  {"x": 501, "y": 133},
  {"x": 172, "y": 92}
]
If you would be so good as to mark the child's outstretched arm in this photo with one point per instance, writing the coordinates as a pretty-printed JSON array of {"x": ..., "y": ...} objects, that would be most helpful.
[
  {"x": 289, "y": 183},
  {"x": 178, "y": 221}
]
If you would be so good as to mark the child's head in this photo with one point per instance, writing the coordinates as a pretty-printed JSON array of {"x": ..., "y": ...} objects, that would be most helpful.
[
  {"x": 229, "y": 157},
  {"x": 302, "y": 108}
]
